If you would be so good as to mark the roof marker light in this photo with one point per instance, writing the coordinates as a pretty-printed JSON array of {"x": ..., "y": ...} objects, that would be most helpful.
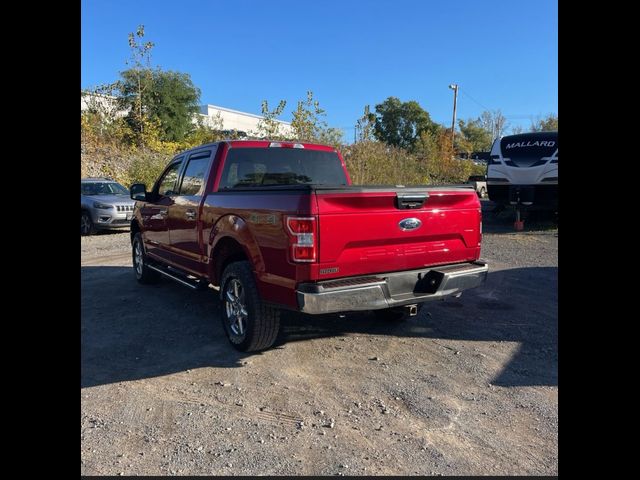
[{"x": 286, "y": 145}]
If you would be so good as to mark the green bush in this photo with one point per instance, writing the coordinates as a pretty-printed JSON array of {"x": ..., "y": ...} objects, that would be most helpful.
[
  {"x": 105, "y": 160},
  {"x": 146, "y": 166},
  {"x": 376, "y": 163},
  {"x": 437, "y": 157}
]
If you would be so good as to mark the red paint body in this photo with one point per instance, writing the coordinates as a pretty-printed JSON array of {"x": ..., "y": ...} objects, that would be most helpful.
[{"x": 357, "y": 231}]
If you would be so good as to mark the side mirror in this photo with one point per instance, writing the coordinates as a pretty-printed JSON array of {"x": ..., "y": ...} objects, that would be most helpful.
[{"x": 138, "y": 191}]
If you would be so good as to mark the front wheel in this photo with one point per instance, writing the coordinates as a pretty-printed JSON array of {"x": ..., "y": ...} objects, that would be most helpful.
[
  {"x": 249, "y": 324},
  {"x": 143, "y": 273},
  {"x": 86, "y": 224}
]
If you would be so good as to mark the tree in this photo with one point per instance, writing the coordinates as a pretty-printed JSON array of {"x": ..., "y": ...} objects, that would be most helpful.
[
  {"x": 494, "y": 122},
  {"x": 205, "y": 131},
  {"x": 434, "y": 152},
  {"x": 476, "y": 135},
  {"x": 517, "y": 130},
  {"x": 401, "y": 123},
  {"x": 102, "y": 119},
  {"x": 136, "y": 81},
  {"x": 173, "y": 100},
  {"x": 158, "y": 102},
  {"x": 169, "y": 103},
  {"x": 365, "y": 126},
  {"x": 309, "y": 125},
  {"x": 269, "y": 126},
  {"x": 331, "y": 136},
  {"x": 547, "y": 124}
]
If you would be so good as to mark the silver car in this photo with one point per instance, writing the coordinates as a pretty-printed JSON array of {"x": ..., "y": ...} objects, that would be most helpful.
[{"x": 104, "y": 204}]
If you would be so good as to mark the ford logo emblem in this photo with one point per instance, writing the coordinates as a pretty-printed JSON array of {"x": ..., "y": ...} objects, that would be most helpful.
[{"x": 409, "y": 224}]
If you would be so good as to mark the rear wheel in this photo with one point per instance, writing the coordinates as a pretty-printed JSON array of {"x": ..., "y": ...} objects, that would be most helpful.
[
  {"x": 142, "y": 272},
  {"x": 249, "y": 324},
  {"x": 86, "y": 224}
]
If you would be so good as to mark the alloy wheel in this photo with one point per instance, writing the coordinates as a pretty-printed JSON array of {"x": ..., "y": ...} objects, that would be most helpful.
[
  {"x": 235, "y": 307},
  {"x": 138, "y": 259},
  {"x": 85, "y": 224}
]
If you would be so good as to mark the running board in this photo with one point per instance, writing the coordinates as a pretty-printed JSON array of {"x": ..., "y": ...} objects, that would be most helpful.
[{"x": 173, "y": 277}]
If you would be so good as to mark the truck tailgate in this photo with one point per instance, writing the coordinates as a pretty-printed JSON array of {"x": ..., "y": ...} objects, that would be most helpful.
[{"x": 360, "y": 229}]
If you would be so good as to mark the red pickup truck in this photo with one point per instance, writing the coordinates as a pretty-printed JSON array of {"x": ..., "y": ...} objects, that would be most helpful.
[{"x": 278, "y": 225}]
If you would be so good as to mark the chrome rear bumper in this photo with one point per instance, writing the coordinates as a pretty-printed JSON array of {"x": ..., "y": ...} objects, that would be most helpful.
[{"x": 390, "y": 289}]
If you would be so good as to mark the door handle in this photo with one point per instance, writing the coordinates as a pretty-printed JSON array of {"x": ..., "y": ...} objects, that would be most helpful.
[{"x": 190, "y": 214}]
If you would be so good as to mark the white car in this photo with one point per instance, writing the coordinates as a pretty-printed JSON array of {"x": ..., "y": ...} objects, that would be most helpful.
[
  {"x": 104, "y": 204},
  {"x": 480, "y": 184}
]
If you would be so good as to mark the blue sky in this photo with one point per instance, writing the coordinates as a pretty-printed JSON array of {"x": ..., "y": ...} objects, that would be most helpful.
[{"x": 502, "y": 53}]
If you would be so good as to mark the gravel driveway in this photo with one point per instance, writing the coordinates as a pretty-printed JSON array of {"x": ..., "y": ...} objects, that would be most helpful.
[{"x": 468, "y": 387}]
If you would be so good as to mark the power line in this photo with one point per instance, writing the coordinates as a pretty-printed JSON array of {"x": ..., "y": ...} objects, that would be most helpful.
[
  {"x": 510, "y": 117},
  {"x": 464, "y": 92}
]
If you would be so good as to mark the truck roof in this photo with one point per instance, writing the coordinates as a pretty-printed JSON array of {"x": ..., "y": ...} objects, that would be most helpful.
[
  {"x": 260, "y": 144},
  {"x": 267, "y": 143}
]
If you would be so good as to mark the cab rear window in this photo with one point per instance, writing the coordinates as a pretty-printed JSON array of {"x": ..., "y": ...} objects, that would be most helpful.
[{"x": 257, "y": 167}]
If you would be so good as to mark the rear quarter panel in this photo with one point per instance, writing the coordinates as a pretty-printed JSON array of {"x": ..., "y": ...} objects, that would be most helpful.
[{"x": 256, "y": 221}]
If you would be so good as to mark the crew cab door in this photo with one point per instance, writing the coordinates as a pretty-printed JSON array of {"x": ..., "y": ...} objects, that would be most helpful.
[
  {"x": 155, "y": 213},
  {"x": 187, "y": 247}
]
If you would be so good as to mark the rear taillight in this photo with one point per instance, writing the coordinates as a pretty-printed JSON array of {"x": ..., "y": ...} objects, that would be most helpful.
[{"x": 302, "y": 232}]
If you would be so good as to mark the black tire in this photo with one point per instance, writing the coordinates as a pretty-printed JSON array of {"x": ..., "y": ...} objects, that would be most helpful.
[
  {"x": 394, "y": 314},
  {"x": 86, "y": 224},
  {"x": 250, "y": 325},
  {"x": 142, "y": 272}
]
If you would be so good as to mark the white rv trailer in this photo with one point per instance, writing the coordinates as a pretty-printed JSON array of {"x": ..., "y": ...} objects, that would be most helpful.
[{"x": 523, "y": 170}]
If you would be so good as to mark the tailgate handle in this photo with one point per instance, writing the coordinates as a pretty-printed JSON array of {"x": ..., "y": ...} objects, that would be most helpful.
[{"x": 409, "y": 201}]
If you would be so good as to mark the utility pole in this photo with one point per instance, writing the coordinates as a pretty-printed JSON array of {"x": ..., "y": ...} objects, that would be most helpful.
[{"x": 454, "y": 87}]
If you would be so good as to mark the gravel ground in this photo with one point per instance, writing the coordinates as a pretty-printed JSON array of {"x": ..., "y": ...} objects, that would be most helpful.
[
  {"x": 467, "y": 387},
  {"x": 104, "y": 244}
]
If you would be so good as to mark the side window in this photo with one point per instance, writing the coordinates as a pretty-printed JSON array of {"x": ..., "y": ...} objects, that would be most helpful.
[
  {"x": 166, "y": 184},
  {"x": 194, "y": 174}
]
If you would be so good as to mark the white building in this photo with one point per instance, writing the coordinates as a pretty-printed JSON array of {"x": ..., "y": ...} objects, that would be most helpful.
[
  {"x": 212, "y": 115},
  {"x": 106, "y": 104},
  {"x": 220, "y": 118}
]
